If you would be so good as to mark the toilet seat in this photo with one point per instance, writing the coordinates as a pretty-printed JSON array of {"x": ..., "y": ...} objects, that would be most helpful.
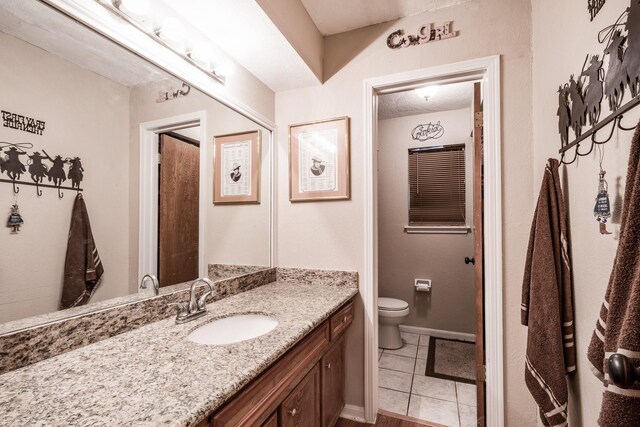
[{"x": 392, "y": 304}]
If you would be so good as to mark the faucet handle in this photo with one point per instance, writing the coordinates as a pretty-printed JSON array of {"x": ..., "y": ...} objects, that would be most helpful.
[
  {"x": 182, "y": 308},
  {"x": 202, "y": 301}
]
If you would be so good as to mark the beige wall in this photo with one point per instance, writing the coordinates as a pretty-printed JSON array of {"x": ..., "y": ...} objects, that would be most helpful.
[
  {"x": 235, "y": 234},
  {"x": 403, "y": 257},
  {"x": 87, "y": 116},
  {"x": 593, "y": 253},
  {"x": 331, "y": 234}
]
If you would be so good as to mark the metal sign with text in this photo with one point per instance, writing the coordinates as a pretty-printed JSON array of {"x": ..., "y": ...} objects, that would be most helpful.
[
  {"x": 426, "y": 34},
  {"x": 594, "y": 7},
  {"x": 427, "y": 131},
  {"x": 23, "y": 123}
]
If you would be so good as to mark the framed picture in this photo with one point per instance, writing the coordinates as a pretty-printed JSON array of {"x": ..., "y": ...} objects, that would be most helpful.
[
  {"x": 236, "y": 168},
  {"x": 319, "y": 161}
]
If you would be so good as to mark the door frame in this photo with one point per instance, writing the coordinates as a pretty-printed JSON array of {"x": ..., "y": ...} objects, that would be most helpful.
[
  {"x": 148, "y": 188},
  {"x": 487, "y": 70}
]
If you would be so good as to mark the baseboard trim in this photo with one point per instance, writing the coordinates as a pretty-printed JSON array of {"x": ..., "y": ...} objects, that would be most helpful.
[
  {"x": 438, "y": 333},
  {"x": 353, "y": 412}
]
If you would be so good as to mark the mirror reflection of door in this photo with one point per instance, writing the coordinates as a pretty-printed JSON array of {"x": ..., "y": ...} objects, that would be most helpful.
[{"x": 178, "y": 209}]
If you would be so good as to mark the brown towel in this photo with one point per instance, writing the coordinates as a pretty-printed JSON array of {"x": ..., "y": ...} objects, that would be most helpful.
[
  {"x": 618, "y": 326},
  {"x": 82, "y": 266},
  {"x": 547, "y": 307}
]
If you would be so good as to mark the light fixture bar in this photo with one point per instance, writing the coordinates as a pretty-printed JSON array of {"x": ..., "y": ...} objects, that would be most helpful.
[{"x": 112, "y": 6}]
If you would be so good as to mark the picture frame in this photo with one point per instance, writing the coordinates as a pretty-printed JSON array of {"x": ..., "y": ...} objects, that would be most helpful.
[
  {"x": 319, "y": 160},
  {"x": 236, "y": 166}
]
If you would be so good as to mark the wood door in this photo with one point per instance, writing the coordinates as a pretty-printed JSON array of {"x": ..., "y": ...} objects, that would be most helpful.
[
  {"x": 478, "y": 215},
  {"x": 178, "y": 210},
  {"x": 302, "y": 407},
  {"x": 332, "y": 365}
]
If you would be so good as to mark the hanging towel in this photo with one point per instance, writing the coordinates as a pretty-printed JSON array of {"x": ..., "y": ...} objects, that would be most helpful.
[
  {"x": 618, "y": 326},
  {"x": 547, "y": 307},
  {"x": 82, "y": 267}
]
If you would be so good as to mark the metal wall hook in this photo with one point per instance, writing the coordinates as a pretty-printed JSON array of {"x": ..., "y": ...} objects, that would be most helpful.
[
  {"x": 38, "y": 190},
  {"x": 60, "y": 194},
  {"x": 16, "y": 189}
]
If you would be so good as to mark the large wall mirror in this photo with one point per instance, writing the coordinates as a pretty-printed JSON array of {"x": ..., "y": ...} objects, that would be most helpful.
[{"x": 82, "y": 112}]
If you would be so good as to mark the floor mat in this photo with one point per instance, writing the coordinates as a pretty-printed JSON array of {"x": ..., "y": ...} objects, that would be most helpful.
[{"x": 452, "y": 360}]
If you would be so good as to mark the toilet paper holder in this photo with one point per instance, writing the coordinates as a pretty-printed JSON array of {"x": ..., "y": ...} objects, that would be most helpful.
[{"x": 422, "y": 285}]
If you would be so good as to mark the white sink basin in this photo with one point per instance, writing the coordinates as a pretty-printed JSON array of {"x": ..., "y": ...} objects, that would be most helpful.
[{"x": 229, "y": 330}]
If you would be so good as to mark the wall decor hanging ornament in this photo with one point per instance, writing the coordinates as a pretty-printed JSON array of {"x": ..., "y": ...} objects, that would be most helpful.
[
  {"x": 15, "y": 219},
  {"x": 11, "y": 164},
  {"x": 580, "y": 99},
  {"x": 602, "y": 209}
]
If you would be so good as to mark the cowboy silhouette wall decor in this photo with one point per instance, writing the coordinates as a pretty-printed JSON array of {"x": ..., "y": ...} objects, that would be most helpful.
[
  {"x": 580, "y": 99},
  {"x": 39, "y": 167}
]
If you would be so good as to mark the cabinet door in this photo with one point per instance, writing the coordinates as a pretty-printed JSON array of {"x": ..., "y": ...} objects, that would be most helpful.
[
  {"x": 302, "y": 407},
  {"x": 332, "y": 364},
  {"x": 272, "y": 421}
]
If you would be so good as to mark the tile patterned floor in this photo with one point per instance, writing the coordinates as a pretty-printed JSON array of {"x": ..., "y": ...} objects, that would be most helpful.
[{"x": 404, "y": 388}]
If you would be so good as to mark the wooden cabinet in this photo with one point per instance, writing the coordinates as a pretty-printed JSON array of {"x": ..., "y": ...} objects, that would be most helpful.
[
  {"x": 304, "y": 388},
  {"x": 302, "y": 407},
  {"x": 332, "y": 366},
  {"x": 272, "y": 421}
]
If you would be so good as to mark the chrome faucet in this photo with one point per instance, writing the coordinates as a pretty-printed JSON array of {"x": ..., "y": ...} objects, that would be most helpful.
[
  {"x": 154, "y": 282},
  {"x": 195, "y": 307}
]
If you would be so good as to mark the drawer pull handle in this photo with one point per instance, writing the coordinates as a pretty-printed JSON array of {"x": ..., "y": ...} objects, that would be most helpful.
[
  {"x": 328, "y": 365},
  {"x": 344, "y": 319},
  {"x": 293, "y": 412}
]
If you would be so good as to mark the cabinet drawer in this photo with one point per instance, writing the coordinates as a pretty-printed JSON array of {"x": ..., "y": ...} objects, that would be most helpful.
[
  {"x": 302, "y": 407},
  {"x": 341, "y": 320},
  {"x": 255, "y": 403}
]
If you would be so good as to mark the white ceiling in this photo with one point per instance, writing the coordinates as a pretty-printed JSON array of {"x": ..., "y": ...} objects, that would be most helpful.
[
  {"x": 42, "y": 26},
  {"x": 338, "y": 16},
  {"x": 453, "y": 96},
  {"x": 245, "y": 32}
]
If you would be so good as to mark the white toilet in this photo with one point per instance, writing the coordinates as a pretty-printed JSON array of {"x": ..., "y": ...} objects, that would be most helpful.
[{"x": 391, "y": 313}]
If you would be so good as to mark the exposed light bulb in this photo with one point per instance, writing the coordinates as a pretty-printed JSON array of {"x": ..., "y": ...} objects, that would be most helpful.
[
  {"x": 172, "y": 30},
  {"x": 427, "y": 91},
  {"x": 225, "y": 69},
  {"x": 202, "y": 54},
  {"x": 136, "y": 7}
]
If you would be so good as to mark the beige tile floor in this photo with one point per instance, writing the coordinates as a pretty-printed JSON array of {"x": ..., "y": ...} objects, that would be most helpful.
[{"x": 404, "y": 389}]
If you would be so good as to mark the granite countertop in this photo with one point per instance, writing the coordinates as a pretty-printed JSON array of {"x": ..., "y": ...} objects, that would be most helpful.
[{"x": 154, "y": 376}]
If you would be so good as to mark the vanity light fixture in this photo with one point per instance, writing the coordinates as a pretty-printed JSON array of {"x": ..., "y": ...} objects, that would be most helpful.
[
  {"x": 135, "y": 7},
  {"x": 172, "y": 31},
  {"x": 427, "y": 91}
]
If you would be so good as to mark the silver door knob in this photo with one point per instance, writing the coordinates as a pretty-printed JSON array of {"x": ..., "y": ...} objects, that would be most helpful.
[
  {"x": 328, "y": 365},
  {"x": 293, "y": 412}
]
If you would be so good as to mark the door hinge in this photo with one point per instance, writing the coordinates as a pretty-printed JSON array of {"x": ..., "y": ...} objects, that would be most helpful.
[
  {"x": 478, "y": 119},
  {"x": 159, "y": 158},
  {"x": 483, "y": 373}
]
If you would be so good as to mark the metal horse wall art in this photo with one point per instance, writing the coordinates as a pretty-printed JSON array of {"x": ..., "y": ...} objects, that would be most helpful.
[
  {"x": 580, "y": 99},
  {"x": 11, "y": 164}
]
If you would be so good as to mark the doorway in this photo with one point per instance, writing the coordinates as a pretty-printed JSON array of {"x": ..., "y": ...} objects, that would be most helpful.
[
  {"x": 185, "y": 131},
  {"x": 178, "y": 210},
  {"x": 488, "y": 304}
]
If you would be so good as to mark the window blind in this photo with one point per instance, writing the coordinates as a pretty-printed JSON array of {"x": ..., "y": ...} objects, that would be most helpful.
[{"x": 437, "y": 186}]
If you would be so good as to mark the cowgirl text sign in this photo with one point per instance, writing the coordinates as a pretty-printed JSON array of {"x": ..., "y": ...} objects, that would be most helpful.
[
  {"x": 426, "y": 34},
  {"x": 23, "y": 123}
]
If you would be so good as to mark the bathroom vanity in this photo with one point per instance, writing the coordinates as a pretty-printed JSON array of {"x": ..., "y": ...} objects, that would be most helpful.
[
  {"x": 154, "y": 375},
  {"x": 304, "y": 387}
]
